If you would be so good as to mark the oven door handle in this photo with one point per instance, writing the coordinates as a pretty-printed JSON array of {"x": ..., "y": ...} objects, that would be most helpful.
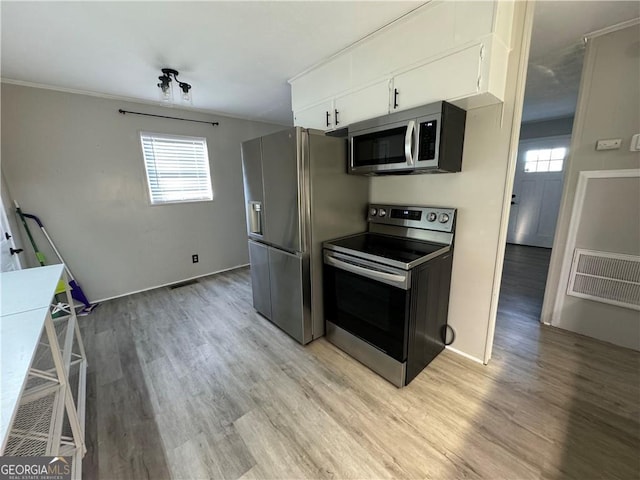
[{"x": 399, "y": 281}]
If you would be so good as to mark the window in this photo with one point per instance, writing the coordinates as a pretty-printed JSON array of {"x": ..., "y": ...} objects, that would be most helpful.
[
  {"x": 544, "y": 160},
  {"x": 177, "y": 168}
]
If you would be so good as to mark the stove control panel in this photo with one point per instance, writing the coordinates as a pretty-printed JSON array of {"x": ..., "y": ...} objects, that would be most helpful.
[{"x": 426, "y": 218}]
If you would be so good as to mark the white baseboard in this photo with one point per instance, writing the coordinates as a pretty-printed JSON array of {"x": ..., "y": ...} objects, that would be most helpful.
[
  {"x": 170, "y": 283},
  {"x": 465, "y": 355}
]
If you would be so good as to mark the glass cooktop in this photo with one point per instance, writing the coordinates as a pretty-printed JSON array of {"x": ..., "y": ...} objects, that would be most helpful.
[{"x": 406, "y": 251}]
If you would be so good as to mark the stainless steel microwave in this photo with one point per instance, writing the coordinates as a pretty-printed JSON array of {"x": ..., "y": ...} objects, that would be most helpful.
[{"x": 426, "y": 139}]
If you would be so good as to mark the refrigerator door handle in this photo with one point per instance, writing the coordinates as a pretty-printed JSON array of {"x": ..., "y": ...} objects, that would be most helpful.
[{"x": 255, "y": 218}]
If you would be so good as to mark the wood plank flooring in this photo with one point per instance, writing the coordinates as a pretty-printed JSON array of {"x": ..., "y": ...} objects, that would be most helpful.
[{"x": 192, "y": 383}]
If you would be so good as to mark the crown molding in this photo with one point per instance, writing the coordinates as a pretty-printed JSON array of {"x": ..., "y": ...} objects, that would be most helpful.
[
  {"x": 612, "y": 28},
  {"x": 139, "y": 101}
]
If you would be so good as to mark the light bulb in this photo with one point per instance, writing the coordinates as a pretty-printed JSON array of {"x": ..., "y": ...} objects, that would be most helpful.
[
  {"x": 185, "y": 94},
  {"x": 165, "y": 92}
]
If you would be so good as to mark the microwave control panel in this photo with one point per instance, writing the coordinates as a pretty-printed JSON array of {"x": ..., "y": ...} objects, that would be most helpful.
[{"x": 428, "y": 140}]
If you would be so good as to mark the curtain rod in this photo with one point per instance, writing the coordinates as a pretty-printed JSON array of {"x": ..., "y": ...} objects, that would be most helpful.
[{"x": 164, "y": 116}]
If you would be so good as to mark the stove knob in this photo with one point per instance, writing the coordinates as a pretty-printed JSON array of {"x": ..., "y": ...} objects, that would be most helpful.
[
  {"x": 382, "y": 212},
  {"x": 432, "y": 217},
  {"x": 444, "y": 218},
  {"x": 373, "y": 212}
]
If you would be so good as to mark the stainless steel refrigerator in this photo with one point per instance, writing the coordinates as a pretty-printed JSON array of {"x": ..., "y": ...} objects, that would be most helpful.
[{"x": 298, "y": 194}]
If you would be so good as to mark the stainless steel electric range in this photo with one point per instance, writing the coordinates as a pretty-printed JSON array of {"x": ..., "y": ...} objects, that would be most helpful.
[{"x": 386, "y": 291}]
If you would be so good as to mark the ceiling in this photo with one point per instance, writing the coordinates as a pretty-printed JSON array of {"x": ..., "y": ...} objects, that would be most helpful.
[
  {"x": 238, "y": 56},
  {"x": 557, "y": 51}
]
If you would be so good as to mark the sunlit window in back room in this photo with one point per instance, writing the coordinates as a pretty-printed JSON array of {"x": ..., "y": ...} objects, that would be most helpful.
[{"x": 545, "y": 160}]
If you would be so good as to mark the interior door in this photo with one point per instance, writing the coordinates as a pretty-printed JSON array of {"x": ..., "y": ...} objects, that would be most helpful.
[
  {"x": 537, "y": 191},
  {"x": 9, "y": 261}
]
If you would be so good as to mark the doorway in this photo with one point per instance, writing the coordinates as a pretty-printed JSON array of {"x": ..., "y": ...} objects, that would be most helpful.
[
  {"x": 535, "y": 203},
  {"x": 9, "y": 254},
  {"x": 537, "y": 190}
]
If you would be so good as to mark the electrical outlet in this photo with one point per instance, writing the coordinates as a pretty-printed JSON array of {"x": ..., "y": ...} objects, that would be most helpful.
[
  {"x": 194, "y": 258},
  {"x": 610, "y": 144}
]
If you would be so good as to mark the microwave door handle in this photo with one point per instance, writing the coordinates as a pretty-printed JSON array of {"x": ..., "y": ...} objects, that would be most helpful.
[
  {"x": 390, "y": 278},
  {"x": 408, "y": 142}
]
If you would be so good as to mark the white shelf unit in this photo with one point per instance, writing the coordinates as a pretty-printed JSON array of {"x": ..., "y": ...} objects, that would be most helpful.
[{"x": 43, "y": 367}]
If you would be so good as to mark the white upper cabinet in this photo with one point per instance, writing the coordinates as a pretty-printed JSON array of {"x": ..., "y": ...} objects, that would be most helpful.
[
  {"x": 469, "y": 78},
  {"x": 320, "y": 116},
  {"x": 456, "y": 75},
  {"x": 369, "y": 102},
  {"x": 446, "y": 50}
]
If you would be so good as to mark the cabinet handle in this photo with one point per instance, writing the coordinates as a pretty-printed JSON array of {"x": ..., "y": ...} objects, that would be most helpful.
[
  {"x": 14, "y": 250},
  {"x": 328, "y": 118},
  {"x": 6, "y": 235},
  {"x": 336, "y": 116},
  {"x": 395, "y": 98}
]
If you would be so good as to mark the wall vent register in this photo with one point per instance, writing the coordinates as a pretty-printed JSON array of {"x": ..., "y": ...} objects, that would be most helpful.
[{"x": 605, "y": 277}]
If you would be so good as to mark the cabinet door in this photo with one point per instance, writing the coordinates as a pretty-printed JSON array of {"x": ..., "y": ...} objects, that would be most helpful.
[
  {"x": 369, "y": 102},
  {"x": 260, "y": 283},
  {"x": 449, "y": 78},
  {"x": 318, "y": 116},
  {"x": 287, "y": 302}
]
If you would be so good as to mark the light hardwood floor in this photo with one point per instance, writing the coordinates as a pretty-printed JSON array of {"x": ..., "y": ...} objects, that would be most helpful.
[{"x": 192, "y": 383}]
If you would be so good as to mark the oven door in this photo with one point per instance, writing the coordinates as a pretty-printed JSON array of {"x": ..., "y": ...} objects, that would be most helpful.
[
  {"x": 383, "y": 148},
  {"x": 368, "y": 300}
]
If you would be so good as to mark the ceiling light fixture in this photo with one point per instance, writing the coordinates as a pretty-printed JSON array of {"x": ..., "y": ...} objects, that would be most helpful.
[{"x": 166, "y": 90}]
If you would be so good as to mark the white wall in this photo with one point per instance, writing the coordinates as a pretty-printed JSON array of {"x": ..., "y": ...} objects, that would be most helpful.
[
  {"x": 75, "y": 162},
  {"x": 546, "y": 128},
  {"x": 478, "y": 192},
  {"x": 607, "y": 108}
]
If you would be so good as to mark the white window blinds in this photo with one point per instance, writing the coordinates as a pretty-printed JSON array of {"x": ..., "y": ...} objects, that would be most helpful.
[{"x": 177, "y": 168}]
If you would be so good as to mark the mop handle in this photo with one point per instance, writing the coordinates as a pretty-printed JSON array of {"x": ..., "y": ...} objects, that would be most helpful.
[
  {"x": 39, "y": 254},
  {"x": 41, "y": 225}
]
